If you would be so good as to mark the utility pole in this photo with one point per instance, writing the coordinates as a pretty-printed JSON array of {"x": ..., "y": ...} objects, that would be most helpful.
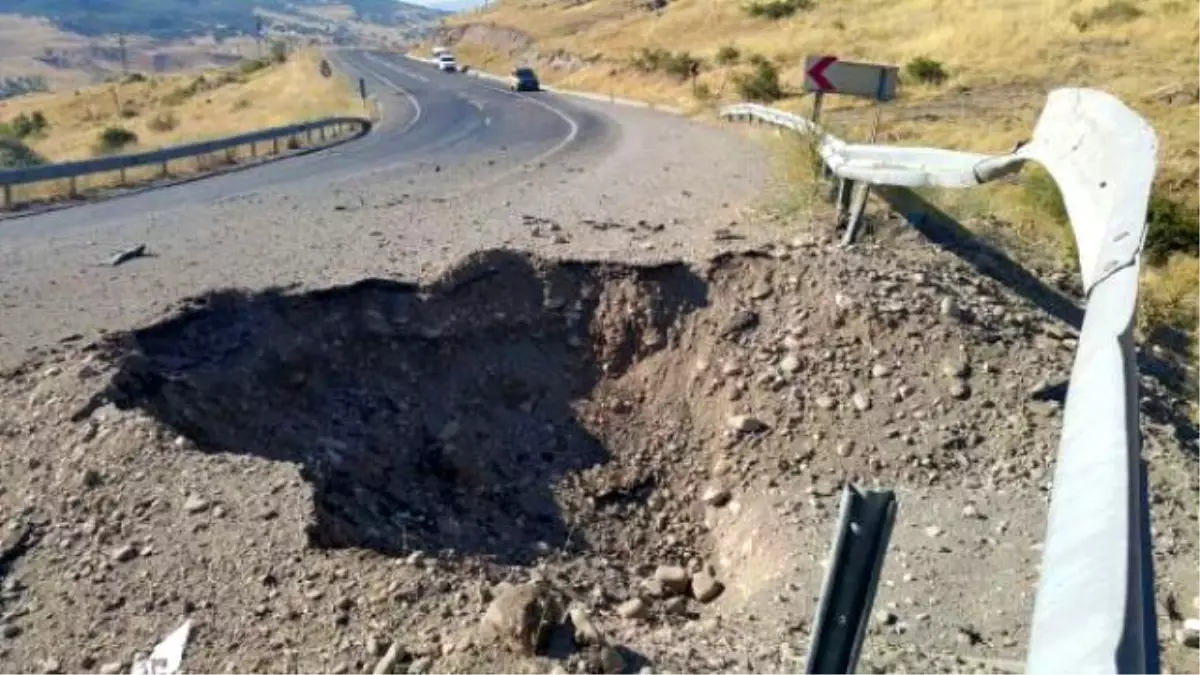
[{"x": 124, "y": 55}]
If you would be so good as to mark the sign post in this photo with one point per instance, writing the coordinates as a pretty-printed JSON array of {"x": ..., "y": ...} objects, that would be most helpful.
[
  {"x": 362, "y": 89},
  {"x": 825, "y": 74}
]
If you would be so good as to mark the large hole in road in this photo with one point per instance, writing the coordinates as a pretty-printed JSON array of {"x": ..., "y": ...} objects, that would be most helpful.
[{"x": 468, "y": 415}]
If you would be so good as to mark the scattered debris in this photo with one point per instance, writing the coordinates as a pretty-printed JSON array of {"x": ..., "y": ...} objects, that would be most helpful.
[
  {"x": 125, "y": 256},
  {"x": 167, "y": 656}
]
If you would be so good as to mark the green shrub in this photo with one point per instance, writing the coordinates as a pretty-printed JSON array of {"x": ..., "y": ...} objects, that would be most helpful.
[
  {"x": 128, "y": 112},
  {"x": 134, "y": 77},
  {"x": 677, "y": 64},
  {"x": 762, "y": 85},
  {"x": 26, "y": 125},
  {"x": 776, "y": 9},
  {"x": 926, "y": 70},
  {"x": 279, "y": 51},
  {"x": 113, "y": 139},
  {"x": 1173, "y": 227},
  {"x": 728, "y": 55},
  {"x": 702, "y": 92},
  {"x": 16, "y": 155}
]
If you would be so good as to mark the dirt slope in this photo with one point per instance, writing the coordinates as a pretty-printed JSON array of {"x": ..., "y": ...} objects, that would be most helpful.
[{"x": 341, "y": 480}]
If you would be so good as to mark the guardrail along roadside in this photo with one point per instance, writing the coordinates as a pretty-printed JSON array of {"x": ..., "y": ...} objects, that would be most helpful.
[
  {"x": 75, "y": 179},
  {"x": 1094, "y": 610}
]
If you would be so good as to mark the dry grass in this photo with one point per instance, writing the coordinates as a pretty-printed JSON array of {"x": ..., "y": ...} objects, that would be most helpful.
[{"x": 161, "y": 113}]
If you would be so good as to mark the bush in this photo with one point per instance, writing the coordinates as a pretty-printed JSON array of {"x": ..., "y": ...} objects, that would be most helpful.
[
  {"x": 728, "y": 55},
  {"x": 702, "y": 92},
  {"x": 279, "y": 51},
  {"x": 163, "y": 122},
  {"x": 1173, "y": 227},
  {"x": 24, "y": 126},
  {"x": 16, "y": 155},
  {"x": 134, "y": 77},
  {"x": 113, "y": 139},
  {"x": 128, "y": 112},
  {"x": 1116, "y": 11},
  {"x": 253, "y": 65},
  {"x": 679, "y": 65},
  {"x": 926, "y": 70},
  {"x": 763, "y": 85},
  {"x": 776, "y": 9}
]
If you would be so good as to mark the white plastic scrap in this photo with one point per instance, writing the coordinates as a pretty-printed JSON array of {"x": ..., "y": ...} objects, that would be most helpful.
[{"x": 167, "y": 657}]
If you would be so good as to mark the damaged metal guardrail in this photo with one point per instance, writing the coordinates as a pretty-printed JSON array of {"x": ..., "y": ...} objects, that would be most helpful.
[
  {"x": 1094, "y": 611},
  {"x": 317, "y": 131}
]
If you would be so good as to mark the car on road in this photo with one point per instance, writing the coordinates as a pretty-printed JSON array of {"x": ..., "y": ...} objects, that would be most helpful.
[
  {"x": 447, "y": 64},
  {"x": 524, "y": 79}
]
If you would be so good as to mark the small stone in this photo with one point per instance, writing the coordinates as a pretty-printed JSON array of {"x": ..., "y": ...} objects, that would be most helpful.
[
  {"x": 675, "y": 605},
  {"x": 790, "y": 363},
  {"x": 195, "y": 504},
  {"x": 521, "y": 617},
  {"x": 885, "y": 618},
  {"x": 585, "y": 632},
  {"x": 124, "y": 553},
  {"x": 611, "y": 660},
  {"x": 705, "y": 588},
  {"x": 880, "y": 370},
  {"x": 376, "y": 646},
  {"x": 715, "y": 495},
  {"x": 969, "y": 511},
  {"x": 1189, "y": 635},
  {"x": 746, "y": 424},
  {"x": 861, "y": 401},
  {"x": 674, "y": 579},
  {"x": 950, "y": 308},
  {"x": 956, "y": 368},
  {"x": 634, "y": 608},
  {"x": 51, "y": 666},
  {"x": 960, "y": 390},
  {"x": 387, "y": 662},
  {"x": 420, "y": 665},
  {"x": 933, "y": 531},
  {"x": 825, "y": 402},
  {"x": 10, "y": 631},
  {"x": 112, "y": 668}
]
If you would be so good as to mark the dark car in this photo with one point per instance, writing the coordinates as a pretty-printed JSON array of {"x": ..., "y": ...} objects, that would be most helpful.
[{"x": 524, "y": 79}]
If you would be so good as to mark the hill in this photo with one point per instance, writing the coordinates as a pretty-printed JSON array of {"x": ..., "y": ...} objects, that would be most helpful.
[{"x": 173, "y": 19}]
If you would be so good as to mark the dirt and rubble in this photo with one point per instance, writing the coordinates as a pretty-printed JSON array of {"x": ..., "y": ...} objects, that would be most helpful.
[{"x": 537, "y": 465}]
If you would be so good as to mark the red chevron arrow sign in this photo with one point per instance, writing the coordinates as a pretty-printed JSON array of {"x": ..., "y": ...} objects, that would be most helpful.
[{"x": 829, "y": 75}]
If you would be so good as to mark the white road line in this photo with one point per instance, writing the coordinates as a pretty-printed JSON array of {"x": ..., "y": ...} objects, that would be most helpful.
[
  {"x": 417, "y": 111},
  {"x": 571, "y": 123}
]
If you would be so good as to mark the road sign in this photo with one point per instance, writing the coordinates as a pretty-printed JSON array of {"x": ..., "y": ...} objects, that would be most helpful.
[{"x": 828, "y": 75}]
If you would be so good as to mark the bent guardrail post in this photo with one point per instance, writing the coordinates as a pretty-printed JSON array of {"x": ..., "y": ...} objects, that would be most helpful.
[
  {"x": 860, "y": 545},
  {"x": 1094, "y": 610}
]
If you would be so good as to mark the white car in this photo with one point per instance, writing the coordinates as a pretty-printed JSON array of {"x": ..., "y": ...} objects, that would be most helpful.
[{"x": 447, "y": 64}]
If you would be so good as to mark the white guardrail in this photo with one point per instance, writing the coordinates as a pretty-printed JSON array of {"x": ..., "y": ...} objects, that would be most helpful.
[
  {"x": 327, "y": 129},
  {"x": 1094, "y": 611}
]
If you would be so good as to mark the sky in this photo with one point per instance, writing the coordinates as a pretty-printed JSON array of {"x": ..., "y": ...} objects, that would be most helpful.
[{"x": 450, "y": 5}]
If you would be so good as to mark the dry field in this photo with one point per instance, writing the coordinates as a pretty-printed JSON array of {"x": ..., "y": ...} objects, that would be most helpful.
[{"x": 168, "y": 110}]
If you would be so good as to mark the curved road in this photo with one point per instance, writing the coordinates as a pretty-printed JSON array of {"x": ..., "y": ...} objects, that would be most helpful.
[{"x": 456, "y": 164}]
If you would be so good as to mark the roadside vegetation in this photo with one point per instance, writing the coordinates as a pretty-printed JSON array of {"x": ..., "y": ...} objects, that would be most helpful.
[
  {"x": 140, "y": 112},
  {"x": 974, "y": 76}
]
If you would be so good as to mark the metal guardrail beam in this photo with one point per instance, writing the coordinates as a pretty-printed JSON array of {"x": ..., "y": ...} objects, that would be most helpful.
[
  {"x": 1094, "y": 611},
  {"x": 44, "y": 172}
]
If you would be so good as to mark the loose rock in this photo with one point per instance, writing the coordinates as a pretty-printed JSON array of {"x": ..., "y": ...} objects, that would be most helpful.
[
  {"x": 124, "y": 553},
  {"x": 195, "y": 504},
  {"x": 715, "y": 495},
  {"x": 585, "y": 632},
  {"x": 960, "y": 390},
  {"x": 387, "y": 662},
  {"x": 521, "y": 617},
  {"x": 746, "y": 424},
  {"x": 611, "y": 660},
  {"x": 673, "y": 578},
  {"x": 705, "y": 588},
  {"x": 861, "y": 401},
  {"x": 634, "y": 608}
]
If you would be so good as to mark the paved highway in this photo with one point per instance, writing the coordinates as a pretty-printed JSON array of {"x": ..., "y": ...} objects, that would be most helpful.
[
  {"x": 456, "y": 164},
  {"x": 428, "y": 117}
]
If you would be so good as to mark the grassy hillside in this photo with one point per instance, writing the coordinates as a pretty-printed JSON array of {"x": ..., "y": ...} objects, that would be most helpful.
[
  {"x": 974, "y": 77},
  {"x": 168, "y": 19},
  {"x": 165, "y": 110}
]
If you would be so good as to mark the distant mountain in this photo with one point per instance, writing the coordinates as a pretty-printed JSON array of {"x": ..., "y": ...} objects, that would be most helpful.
[{"x": 171, "y": 19}]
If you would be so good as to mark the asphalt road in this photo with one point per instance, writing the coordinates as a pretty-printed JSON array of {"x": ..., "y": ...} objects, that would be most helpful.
[
  {"x": 429, "y": 117},
  {"x": 456, "y": 165}
]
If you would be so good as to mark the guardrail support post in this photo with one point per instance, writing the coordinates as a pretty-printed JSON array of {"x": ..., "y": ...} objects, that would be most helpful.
[
  {"x": 845, "y": 188},
  {"x": 121, "y": 176},
  {"x": 854, "y": 220},
  {"x": 6, "y": 198},
  {"x": 165, "y": 172},
  {"x": 254, "y": 149},
  {"x": 322, "y": 134},
  {"x": 72, "y": 187},
  {"x": 275, "y": 145}
]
